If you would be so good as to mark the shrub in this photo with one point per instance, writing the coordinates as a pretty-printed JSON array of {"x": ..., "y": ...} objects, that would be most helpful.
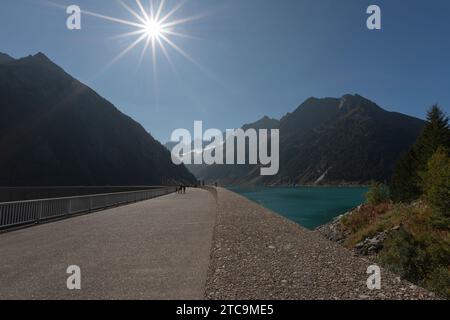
[
  {"x": 405, "y": 256},
  {"x": 356, "y": 221},
  {"x": 370, "y": 220},
  {"x": 377, "y": 194},
  {"x": 419, "y": 253},
  {"x": 439, "y": 281},
  {"x": 436, "y": 182}
]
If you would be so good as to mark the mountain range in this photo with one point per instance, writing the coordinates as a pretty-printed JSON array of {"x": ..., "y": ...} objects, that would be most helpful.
[
  {"x": 329, "y": 141},
  {"x": 54, "y": 130}
]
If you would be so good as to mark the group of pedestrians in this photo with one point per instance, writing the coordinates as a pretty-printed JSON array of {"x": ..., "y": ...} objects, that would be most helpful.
[{"x": 181, "y": 190}]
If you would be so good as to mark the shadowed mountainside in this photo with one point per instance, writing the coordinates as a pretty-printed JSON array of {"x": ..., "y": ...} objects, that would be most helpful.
[
  {"x": 348, "y": 140},
  {"x": 54, "y": 130}
]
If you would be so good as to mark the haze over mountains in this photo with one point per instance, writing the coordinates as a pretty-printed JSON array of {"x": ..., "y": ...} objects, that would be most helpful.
[
  {"x": 54, "y": 130},
  {"x": 348, "y": 140}
]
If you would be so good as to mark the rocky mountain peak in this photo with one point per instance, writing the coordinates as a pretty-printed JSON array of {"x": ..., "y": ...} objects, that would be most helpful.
[
  {"x": 356, "y": 102},
  {"x": 263, "y": 123},
  {"x": 4, "y": 58},
  {"x": 41, "y": 57}
]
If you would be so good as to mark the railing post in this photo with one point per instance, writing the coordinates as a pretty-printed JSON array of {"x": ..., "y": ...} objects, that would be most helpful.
[
  {"x": 38, "y": 220},
  {"x": 69, "y": 211}
]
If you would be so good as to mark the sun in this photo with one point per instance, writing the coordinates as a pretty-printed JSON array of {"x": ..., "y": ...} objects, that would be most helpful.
[{"x": 154, "y": 29}]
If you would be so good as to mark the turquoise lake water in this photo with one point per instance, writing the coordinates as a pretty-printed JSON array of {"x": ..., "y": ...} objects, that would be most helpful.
[{"x": 308, "y": 206}]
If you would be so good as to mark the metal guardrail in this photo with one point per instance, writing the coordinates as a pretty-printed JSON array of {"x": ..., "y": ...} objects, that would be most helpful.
[
  {"x": 11, "y": 194},
  {"x": 14, "y": 214}
]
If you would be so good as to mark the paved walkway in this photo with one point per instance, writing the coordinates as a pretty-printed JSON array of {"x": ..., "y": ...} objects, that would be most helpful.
[{"x": 157, "y": 249}]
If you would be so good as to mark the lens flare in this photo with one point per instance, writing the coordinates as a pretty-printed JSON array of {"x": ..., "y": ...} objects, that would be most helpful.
[{"x": 153, "y": 28}]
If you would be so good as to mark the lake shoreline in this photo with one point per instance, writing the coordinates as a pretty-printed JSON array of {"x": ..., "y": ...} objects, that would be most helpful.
[{"x": 308, "y": 206}]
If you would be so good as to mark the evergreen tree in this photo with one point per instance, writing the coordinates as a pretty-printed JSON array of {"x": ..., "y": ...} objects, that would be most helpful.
[
  {"x": 436, "y": 182},
  {"x": 377, "y": 194},
  {"x": 406, "y": 183},
  {"x": 435, "y": 134}
]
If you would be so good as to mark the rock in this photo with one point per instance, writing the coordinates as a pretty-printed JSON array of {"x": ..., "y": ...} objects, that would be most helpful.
[
  {"x": 371, "y": 246},
  {"x": 333, "y": 231},
  {"x": 381, "y": 295}
]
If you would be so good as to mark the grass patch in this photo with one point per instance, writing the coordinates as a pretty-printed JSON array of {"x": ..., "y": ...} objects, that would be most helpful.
[{"x": 418, "y": 250}]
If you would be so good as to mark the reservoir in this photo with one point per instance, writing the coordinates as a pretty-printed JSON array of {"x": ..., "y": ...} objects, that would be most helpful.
[{"x": 308, "y": 206}]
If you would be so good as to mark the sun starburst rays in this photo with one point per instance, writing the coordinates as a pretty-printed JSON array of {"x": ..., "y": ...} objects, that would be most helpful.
[
  {"x": 154, "y": 28},
  {"x": 134, "y": 13}
]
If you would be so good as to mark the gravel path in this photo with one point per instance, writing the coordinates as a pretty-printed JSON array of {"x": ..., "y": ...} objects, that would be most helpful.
[{"x": 257, "y": 254}]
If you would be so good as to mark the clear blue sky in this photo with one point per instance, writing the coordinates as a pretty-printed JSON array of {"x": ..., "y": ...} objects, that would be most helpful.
[{"x": 259, "y": 57}]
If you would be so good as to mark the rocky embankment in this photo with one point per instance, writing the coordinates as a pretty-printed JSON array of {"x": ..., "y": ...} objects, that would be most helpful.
[
  {"x": 335, "y": 231},
  {"x": 257, "y": 254}
]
